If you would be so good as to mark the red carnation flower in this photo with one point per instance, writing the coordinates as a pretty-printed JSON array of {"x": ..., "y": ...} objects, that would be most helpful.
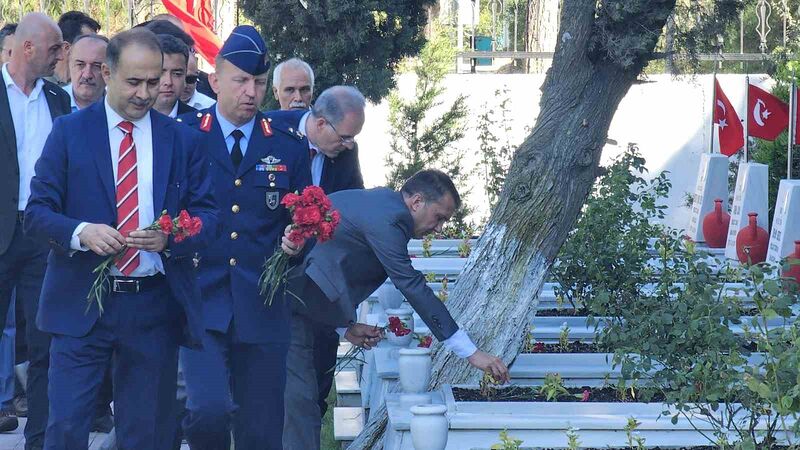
[
  {"x": 197, "y": 225},
  {"x": 184, "y": 220},
  {"x": 296, "y": 237},
  {"x": 538, "y": 347},
  {"x": 425, "y": 342},
  {"x": 165, "y": 224},
  {"x": 586, "y": 394}
]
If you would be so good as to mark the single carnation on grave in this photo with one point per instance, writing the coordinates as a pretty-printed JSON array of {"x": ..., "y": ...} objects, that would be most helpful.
[{"x": 312, "y": 217}]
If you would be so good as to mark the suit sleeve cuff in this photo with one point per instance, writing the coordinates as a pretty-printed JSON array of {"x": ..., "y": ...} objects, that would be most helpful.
[
  {"x": 460, "y": 344},
  {"x": 75, "y": 242}
]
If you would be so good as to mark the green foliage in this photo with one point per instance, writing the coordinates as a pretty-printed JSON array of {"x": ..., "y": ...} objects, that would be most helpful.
[
  {"x": 606, "y": 256},
  {"x": 635, "y": 441},
  {"x": 680, "y": 338},
  {"x": 553, "y": 387},
  {"x": 496, "y": 150},
  {"x": 358, "y": 42},
  {"x": 419, "y": 141},
  {"x": 573, "y": 443},
  {"x": 507, "y": 442}
]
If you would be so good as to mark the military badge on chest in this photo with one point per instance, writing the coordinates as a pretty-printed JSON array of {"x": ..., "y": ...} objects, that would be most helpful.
[{"x": 271, "y": 167}]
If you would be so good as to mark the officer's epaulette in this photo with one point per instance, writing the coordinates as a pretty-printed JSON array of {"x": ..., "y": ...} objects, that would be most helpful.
[{"x": 269, "y": 127}]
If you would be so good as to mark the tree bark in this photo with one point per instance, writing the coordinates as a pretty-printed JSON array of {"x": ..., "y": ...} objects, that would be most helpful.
[
  {"x": 542, "y": 31},
  {"x": 548, "y": 182}
]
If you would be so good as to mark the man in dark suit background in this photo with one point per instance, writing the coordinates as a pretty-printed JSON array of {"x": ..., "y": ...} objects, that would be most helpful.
[
  {"x": 173, "y": 77},
  {"x": 330, "y": 128},
  {"x": 105, "y": 174},
  {"x": 28, "y": 106}
]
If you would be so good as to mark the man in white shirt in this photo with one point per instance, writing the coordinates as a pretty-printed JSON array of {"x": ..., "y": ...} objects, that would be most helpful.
[
  {"x": 105, "y": 174},
  {"x": 28, "y": 105},
  {"x": 191, "y": 96},
  {"x": 86, "y": 57}
]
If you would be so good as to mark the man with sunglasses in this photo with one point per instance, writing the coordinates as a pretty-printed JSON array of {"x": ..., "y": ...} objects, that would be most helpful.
[{"x": 191, "y": 96}]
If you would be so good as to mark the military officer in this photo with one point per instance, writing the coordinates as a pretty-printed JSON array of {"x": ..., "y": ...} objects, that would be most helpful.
[{"x": 242, "y": 366}]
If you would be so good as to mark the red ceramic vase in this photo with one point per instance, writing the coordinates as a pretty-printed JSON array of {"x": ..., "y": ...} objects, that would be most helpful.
[
  {"x": 755, "y": 238},
  {"x": 794, "y": 270},
  {"x": 715, "y": 226}
]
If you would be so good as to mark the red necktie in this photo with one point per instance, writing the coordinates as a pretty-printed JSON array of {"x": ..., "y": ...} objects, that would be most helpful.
[
  {"x": 312, "y": 153},
  {"x": 127, "y": 197}
]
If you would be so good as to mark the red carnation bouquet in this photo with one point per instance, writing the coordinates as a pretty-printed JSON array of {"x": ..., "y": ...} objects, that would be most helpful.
[
  {"x": 181, "y": 227},
  {"x": 313, "y": 216}
]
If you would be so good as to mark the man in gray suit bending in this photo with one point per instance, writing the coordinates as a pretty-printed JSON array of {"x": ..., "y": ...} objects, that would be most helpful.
[{"x": 370, "y": 244}]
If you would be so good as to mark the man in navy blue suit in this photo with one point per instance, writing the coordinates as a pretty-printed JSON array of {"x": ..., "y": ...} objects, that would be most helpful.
[
  {"x": 238, "y": 378},
  {"x": 106, "y": 173},
  {"x": 330, "y": 128}
]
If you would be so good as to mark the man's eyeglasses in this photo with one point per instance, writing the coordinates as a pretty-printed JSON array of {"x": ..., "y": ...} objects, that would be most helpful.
[
  {"x": 344, "y": 140},
  {"x": 191, "y": 79}
]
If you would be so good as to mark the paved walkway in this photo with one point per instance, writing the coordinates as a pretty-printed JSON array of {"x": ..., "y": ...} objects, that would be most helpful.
[{"x": 15, "y": 440}]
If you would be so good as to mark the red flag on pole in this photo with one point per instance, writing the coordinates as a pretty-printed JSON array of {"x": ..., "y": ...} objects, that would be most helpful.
[
  {"x": 198, "y": 19},
  {"x": 731, "y": 132},
  {"x": 767, "y": 115}
]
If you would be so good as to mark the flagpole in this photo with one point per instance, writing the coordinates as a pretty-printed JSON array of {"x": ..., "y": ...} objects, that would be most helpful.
[
  {"x": 713, "y": 110},
  {"x": 747, "y": 112},
  {"x": 792, "y": 126}
]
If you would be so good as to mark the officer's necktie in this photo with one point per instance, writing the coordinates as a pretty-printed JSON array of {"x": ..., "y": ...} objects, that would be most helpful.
[
  {"x": 127, "y": 197},
  {"x": 236, "y": 153}
]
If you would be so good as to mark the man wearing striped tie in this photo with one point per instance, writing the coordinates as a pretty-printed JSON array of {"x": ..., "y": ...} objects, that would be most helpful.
[{"x": 107, "y": 172}]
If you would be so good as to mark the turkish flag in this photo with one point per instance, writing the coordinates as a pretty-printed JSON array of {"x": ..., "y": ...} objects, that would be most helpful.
[
  {"x": 767, "y": 115},
  {"x": 731, "y": 131},
  {"x": 198, "y": 19}
]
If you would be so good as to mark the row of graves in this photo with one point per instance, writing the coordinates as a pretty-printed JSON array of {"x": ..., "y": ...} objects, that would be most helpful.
[{"x": 568, "y": 391}]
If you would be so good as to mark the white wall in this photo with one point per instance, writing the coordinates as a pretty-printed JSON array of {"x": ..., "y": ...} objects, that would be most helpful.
[{"x": 667, "y": 117}]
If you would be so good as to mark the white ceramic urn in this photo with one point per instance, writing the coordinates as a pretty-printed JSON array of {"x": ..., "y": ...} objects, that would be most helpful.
[
  {"x": 406, "y": 315},
  {"x": 390, "y": 297},
  {"x": 429, "y": 427},
  {"x": 414, "y": 367}
]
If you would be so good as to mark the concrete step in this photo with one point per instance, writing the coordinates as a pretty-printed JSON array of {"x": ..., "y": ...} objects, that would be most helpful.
[
  {"x": 348, "y": 390},
  {"x": 348, "y": 422}
]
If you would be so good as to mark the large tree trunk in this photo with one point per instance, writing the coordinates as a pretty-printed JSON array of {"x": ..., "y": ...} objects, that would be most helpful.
[
  {"x": 548, "y": 182},
  {"x": 542, "y": 31}
]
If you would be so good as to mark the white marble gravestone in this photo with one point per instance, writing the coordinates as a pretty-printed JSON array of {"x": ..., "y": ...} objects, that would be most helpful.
[
  {"x": 712, "y": 183},
  {"x": 785, "y": 222},
  {"x": 751, "y": 195}
]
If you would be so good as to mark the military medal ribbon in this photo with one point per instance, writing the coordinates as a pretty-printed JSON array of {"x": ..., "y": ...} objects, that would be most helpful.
[
  {"x": 312, "y": 216},
  {"x": 181, "y": 227}
]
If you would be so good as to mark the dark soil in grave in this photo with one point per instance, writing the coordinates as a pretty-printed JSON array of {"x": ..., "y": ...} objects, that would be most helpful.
[
  {"x": 573, "y": 347},
  {"x": 563, "y": 312},
  {"x": 531, "y": 394}
]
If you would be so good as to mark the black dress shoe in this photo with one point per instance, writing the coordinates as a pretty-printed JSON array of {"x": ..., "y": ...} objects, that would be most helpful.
[
  {"x": 103, "y": 424},
  {"x": 8, "y": 421},
  {"x": 21, "y": 405}
]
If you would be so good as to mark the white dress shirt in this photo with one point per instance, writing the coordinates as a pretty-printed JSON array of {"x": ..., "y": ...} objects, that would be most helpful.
[
  {"x": 73, "y": 106},
  {"x": 32, "y": 125},
  {"x": 174, "y": 113},
  {"x": 198, "y": 100},
  {"x": 318, "y": 161},
  {"x": 228, "y": 128},
  {"x": 149, "y": 262}
]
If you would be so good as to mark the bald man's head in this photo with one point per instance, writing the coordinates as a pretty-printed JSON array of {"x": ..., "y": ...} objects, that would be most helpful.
[{"x": 37, "y": 45}]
